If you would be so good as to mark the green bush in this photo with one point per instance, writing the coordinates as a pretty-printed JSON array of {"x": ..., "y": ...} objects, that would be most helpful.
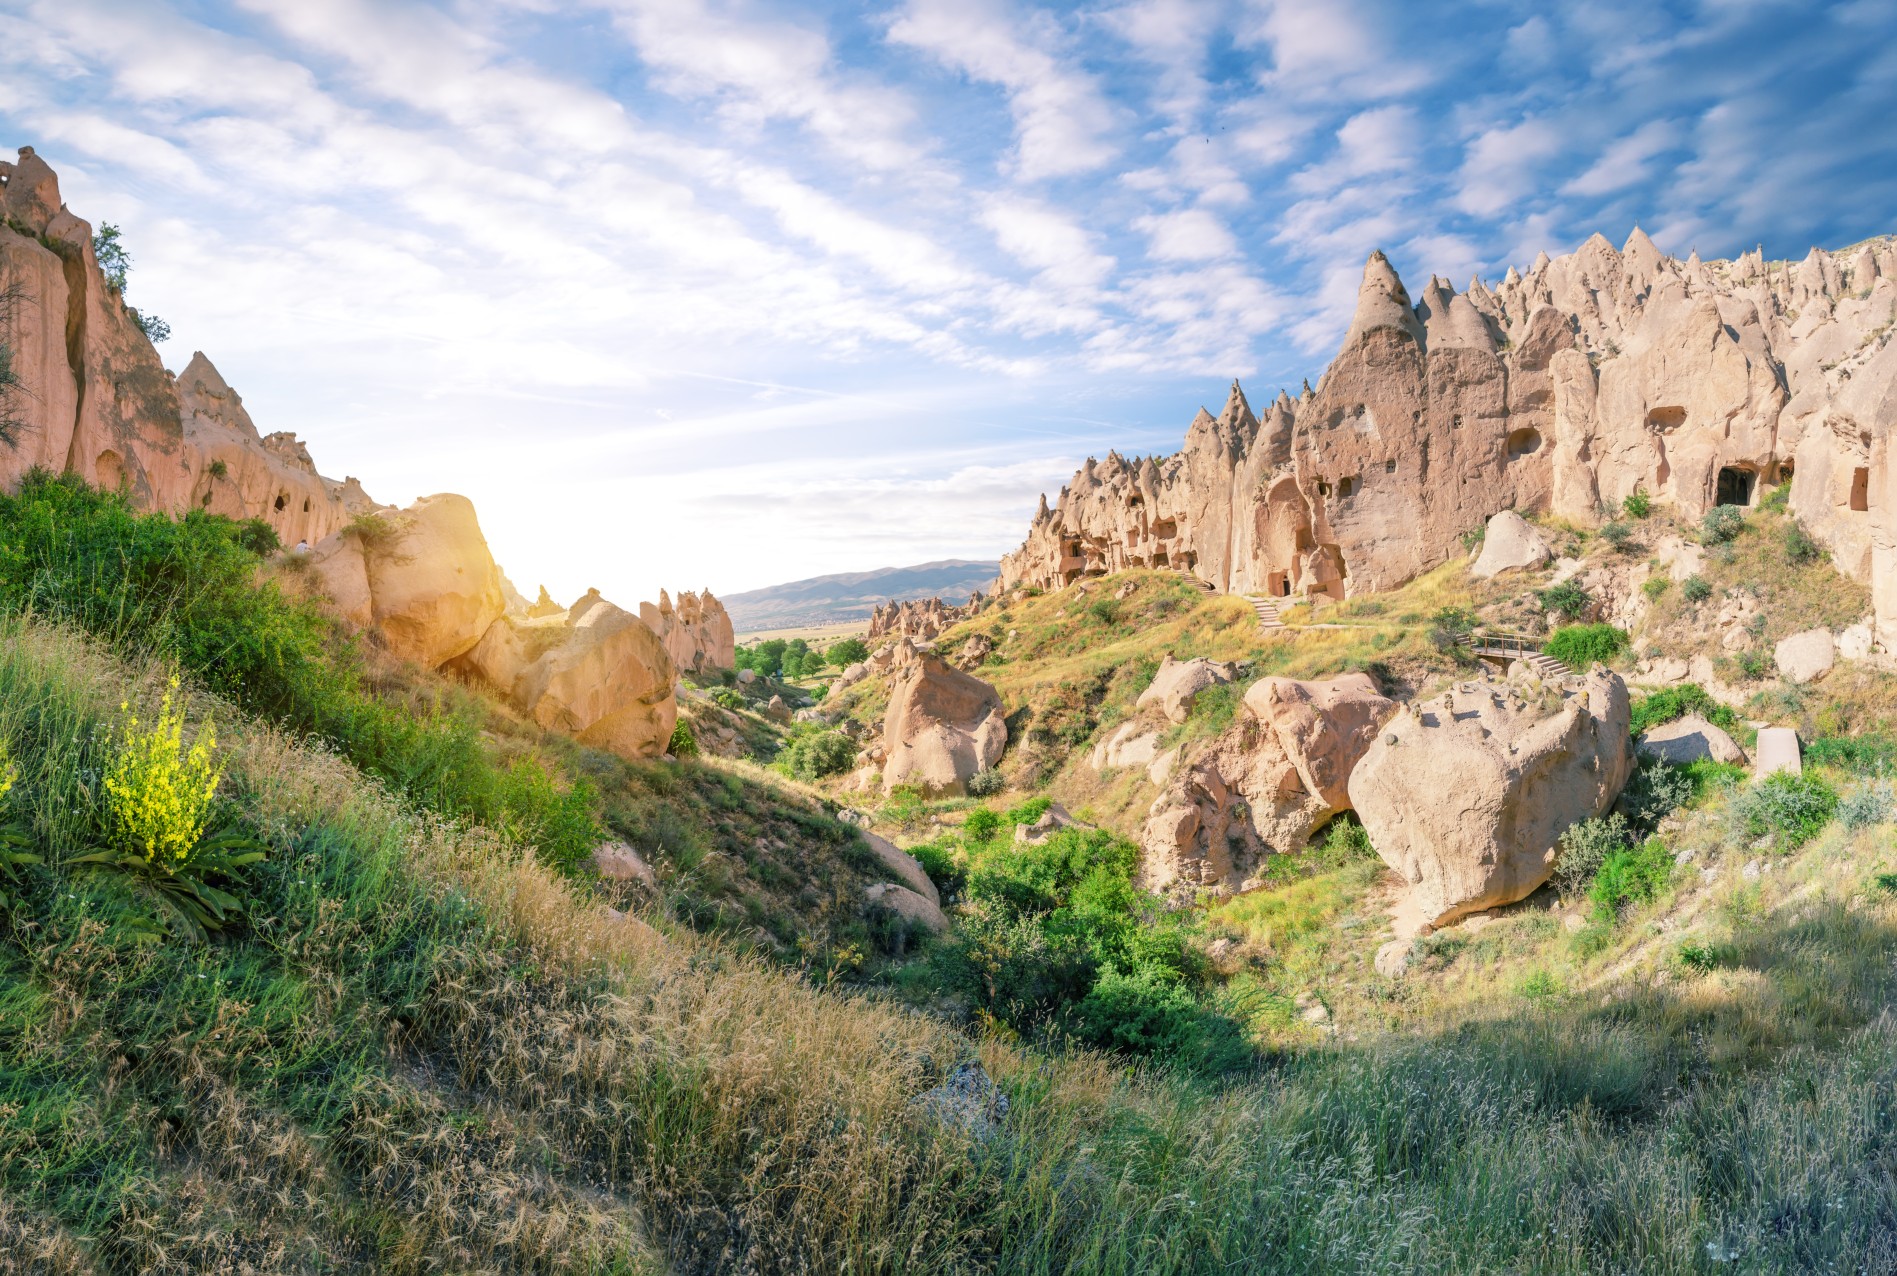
[
  {"x": 1790, "y": 809},
  {"x": 1104, "y": 610},
  {"x": 1721, "y": 524},
  {"x": 534, "y": 807},
  {"x": 1875, "y": 753},
  {"x": 726, "y": 698},
  {"x": 683, "y": 743},
  {"x": 1654, "y": 586},
  {"x": 1618, "y": 535},
  {"x": 1798, "y": 545},
  {"x": 1584, "y": 847},
  {"x": 1638, "y": 504},
  {"x": 812, "y": 755},
  {"x": 1630, "y": 875},
  {"x": 1695, "y": 589},
  {"x": 986, "y": 783},
  {"x": 1676, "y": 702},
  {"x": 981, "y": 824},
  {"x": 1581, "y": 646},
  {"x": 1871, "y": 802},
  {"x": 946, "y": 866},
  {"x": 1568, "y": 598}
]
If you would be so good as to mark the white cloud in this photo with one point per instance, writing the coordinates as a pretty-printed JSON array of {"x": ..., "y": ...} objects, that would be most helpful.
[
  {"x": 1046, "y": 240},
  {"x": 1628, "y": 161},
  {"x": 1190, "y": 234},
  {"x": 1061, "y": 118},
  {"x": 1329, "y": 49},
  {"x": 1499, "y": 166}
]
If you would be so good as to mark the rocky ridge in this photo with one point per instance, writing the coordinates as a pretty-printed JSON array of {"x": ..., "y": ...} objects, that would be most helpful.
[{"x": 1564, "y": 389}]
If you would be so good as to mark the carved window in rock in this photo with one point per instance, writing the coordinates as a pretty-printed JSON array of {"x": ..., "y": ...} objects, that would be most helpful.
[
  {"x": 1861, "y": 489},
  {"x": 1389, "y": 466},
  {"x": 283, "y": 499},
  {"x": 1347, "y": 487},
  {"x": 1523, "y": 443},
  {"x": 1165, "y": 529},
  {"x": 1734, "y": 486},
  {"x": 1323, "y": 487},
  {"x": 1670, "y": 418}
]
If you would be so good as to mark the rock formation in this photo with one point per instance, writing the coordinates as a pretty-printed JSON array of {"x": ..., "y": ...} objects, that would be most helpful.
[
  {"x": 1563, "y": 389},
  {"x": 918, "y": 619},
  {"x": 1509, "y": 543},
  {"x": 1179, "y": 682},
  {"x": 1466, "y": 795},
  {"x": 1264, "y": 786},
  {"x": 941, "y": 727},
  {"x": 422, "y": 576},
  {"x": 595, "y": 672},
  {"x": 697, "y": 631},
  {"x": 96, "y": 400}
]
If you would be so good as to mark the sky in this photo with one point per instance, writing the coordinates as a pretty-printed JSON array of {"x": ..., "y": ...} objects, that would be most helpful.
[{"x": 693, "y": 293}]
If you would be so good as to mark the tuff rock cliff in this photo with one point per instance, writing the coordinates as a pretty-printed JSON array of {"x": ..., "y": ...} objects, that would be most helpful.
[
  {"x": 1564, "y": 389},
  {"x": 97, "y": 401}
]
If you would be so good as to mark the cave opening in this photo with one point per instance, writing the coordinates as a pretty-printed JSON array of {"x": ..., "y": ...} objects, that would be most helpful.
[{"x": 1735, "y": 486}]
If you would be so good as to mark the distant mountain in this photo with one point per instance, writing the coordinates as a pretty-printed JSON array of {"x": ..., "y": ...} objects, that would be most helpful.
[{"x": 830, "y": 600}]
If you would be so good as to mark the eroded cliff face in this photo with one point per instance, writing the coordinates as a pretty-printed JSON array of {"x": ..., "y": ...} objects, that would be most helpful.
[
  {"x": 1563, "y": 390},
  {"x": 98, "y": 402},
  {"x": 696, "y": 631}
]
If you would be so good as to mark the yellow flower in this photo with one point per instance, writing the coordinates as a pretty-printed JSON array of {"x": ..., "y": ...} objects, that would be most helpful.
[{"x": 158, "y": 792}]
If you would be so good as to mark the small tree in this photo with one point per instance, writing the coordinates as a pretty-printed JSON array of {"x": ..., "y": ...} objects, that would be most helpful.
[{"x": 115, "y": 263}]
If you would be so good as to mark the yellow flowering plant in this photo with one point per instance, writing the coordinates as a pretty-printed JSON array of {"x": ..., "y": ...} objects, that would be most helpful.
[{"x": 160, "y": 796}]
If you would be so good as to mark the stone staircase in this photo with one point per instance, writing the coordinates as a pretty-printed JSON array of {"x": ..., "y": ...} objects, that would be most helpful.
[
  {"x": 1268, "y": 618},
  {"x": 1547, "y": 666},
  {"x": 1509, "y": 647}
]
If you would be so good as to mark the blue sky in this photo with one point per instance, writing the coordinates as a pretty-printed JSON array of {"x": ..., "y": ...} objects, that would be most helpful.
[{"x": 704, "y": 292}]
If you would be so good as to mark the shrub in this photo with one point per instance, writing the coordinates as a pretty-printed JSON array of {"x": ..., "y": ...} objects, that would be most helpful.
[
  {"x": 1568, "y": 598},
  {"x": 1869, "y": 803},
  {"x": 1654, "y": 791},
  {"x": 560, "y": 821},
  {"x": 1862, "y": 754},
  {"x": 217, "y": 469},
  {"x": 981, "y": 824},
  {"x": 815, "y": 754},
  {"x": 846, "y": 652},
  {"x": 1799, "y": 547},
  {"x": 986, "y": 783},
  {"x": 1695, "y": 589},
  {"x": 1655, "y": 586},
  {"x": 1104, "y": 610},
  {"x": 1630, "y": 875},
  {"x": 1676, "y": 702},
  {"x": 1584, "y": 847},
  {"x": 1638, "y": 504},
  {"x": 683, "y": 743},
  {"x": 1581, "y": 646},
  {"x": 1790, "y": 809},
  {"x": 726, "y": 698},
  {"x": 944, "y": 864},
  {"x": 1721, "y": 524},
  {"x": 1618, "y": 535},
  {"x": 373, "y": 529},
  {"x": 1753, "y": 666}
]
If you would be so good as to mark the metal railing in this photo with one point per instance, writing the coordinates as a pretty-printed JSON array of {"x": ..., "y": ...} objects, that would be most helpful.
[{"x": 1506, "y": 646}]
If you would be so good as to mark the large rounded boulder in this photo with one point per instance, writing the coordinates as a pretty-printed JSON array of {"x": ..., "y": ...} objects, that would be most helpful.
[
  {"x": 942, "y": 725},
  {"x": 1467, "y": 795}
]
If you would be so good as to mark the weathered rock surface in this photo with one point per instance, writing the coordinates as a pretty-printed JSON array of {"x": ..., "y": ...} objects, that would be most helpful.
[
  {"x": 1265, "y": 785},
  {"x": 697, "y": 631},
  {"x": 1510, "y": 544},
  {"x": 941, "y": 727},
  {"x": 915, "y": 909},
  {"x": 1179, "y": 682},
  {"x": 599, "y": 674},
  {"x": 96, "y": 400},
  {"x": 424, "y": 579},
  {"x": 1564, "y": 388},
  {"x": 1466, "y": 795},
  {"x": 618, "y": 862},
  {"x": 907, "y": 869},
  {"x": 1689, "y": 739},
  {"x": 1129, "y": 744},
  {"x": 919, "y": 619},
  {"x": 1805, "y": 656}
]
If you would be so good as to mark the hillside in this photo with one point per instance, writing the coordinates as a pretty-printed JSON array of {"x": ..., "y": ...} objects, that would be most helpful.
[{"x": 852, "y": 596}]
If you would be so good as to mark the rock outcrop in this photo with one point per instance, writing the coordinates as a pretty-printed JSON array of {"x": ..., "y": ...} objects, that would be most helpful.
[
  {"x": 422, "y": 577},
  {"x": 1688, "y": 739},
  {"x": 1466, "y": 795},
  {"x": 942, "y": 725},
  {"x": 95, "y": 400},
  {"x": 1509, "y": 543},
  {"x": 1179, "y": 682},
  {"x": 1563, "y": 389},
  {"x": 918, "y": 619},
  {"x": 697, "y": 631},
  {"x": 1265, "y": 786},
  {"x": 595, "y": 672}
]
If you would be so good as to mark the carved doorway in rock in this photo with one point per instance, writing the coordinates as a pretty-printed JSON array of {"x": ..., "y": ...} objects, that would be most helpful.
[{"x": 1735, "y": 486}]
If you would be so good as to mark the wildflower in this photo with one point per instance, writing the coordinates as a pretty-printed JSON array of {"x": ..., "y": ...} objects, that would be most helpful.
[{"x": 158, "y": 792}]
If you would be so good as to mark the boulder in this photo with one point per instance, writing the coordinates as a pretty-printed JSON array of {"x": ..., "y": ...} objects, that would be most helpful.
[
  {"x": 776, "y": 708},
  {"x": 1776, "y": 750},
  {"x": 1266, "y": 785},
  {"x": 424, "y": 578},
  {"x": 967, "y": 1102},
  {"x": 1179, "y": 682},
  {"x": 1510, "y": 544},
  {"x": 906, "y": 867},
  {"x": 976, "y": 650},
  {"x": 1805, "y": 656},
  {"x": 1052, "y": 820},
  {"x": 1393, "y": 959},
  {"x": 1856, "y": 642},
  {"x": 746, "y": 677},
  {"x": 852, "y": 675},
  {"x": 618, "y": 862},
  {"x": 915, "y": 909},
  {"x": 1129, "y": 744},
  {"x": 601, "y": 676},
  {"x": 1689, "y": 739},
  {"x": 942, "y": 725},
  {"x": 1466, "y": 795}
]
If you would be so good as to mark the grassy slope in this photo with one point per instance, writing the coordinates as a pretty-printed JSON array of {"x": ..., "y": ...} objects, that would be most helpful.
[{"x": 430, "y": 1052}]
